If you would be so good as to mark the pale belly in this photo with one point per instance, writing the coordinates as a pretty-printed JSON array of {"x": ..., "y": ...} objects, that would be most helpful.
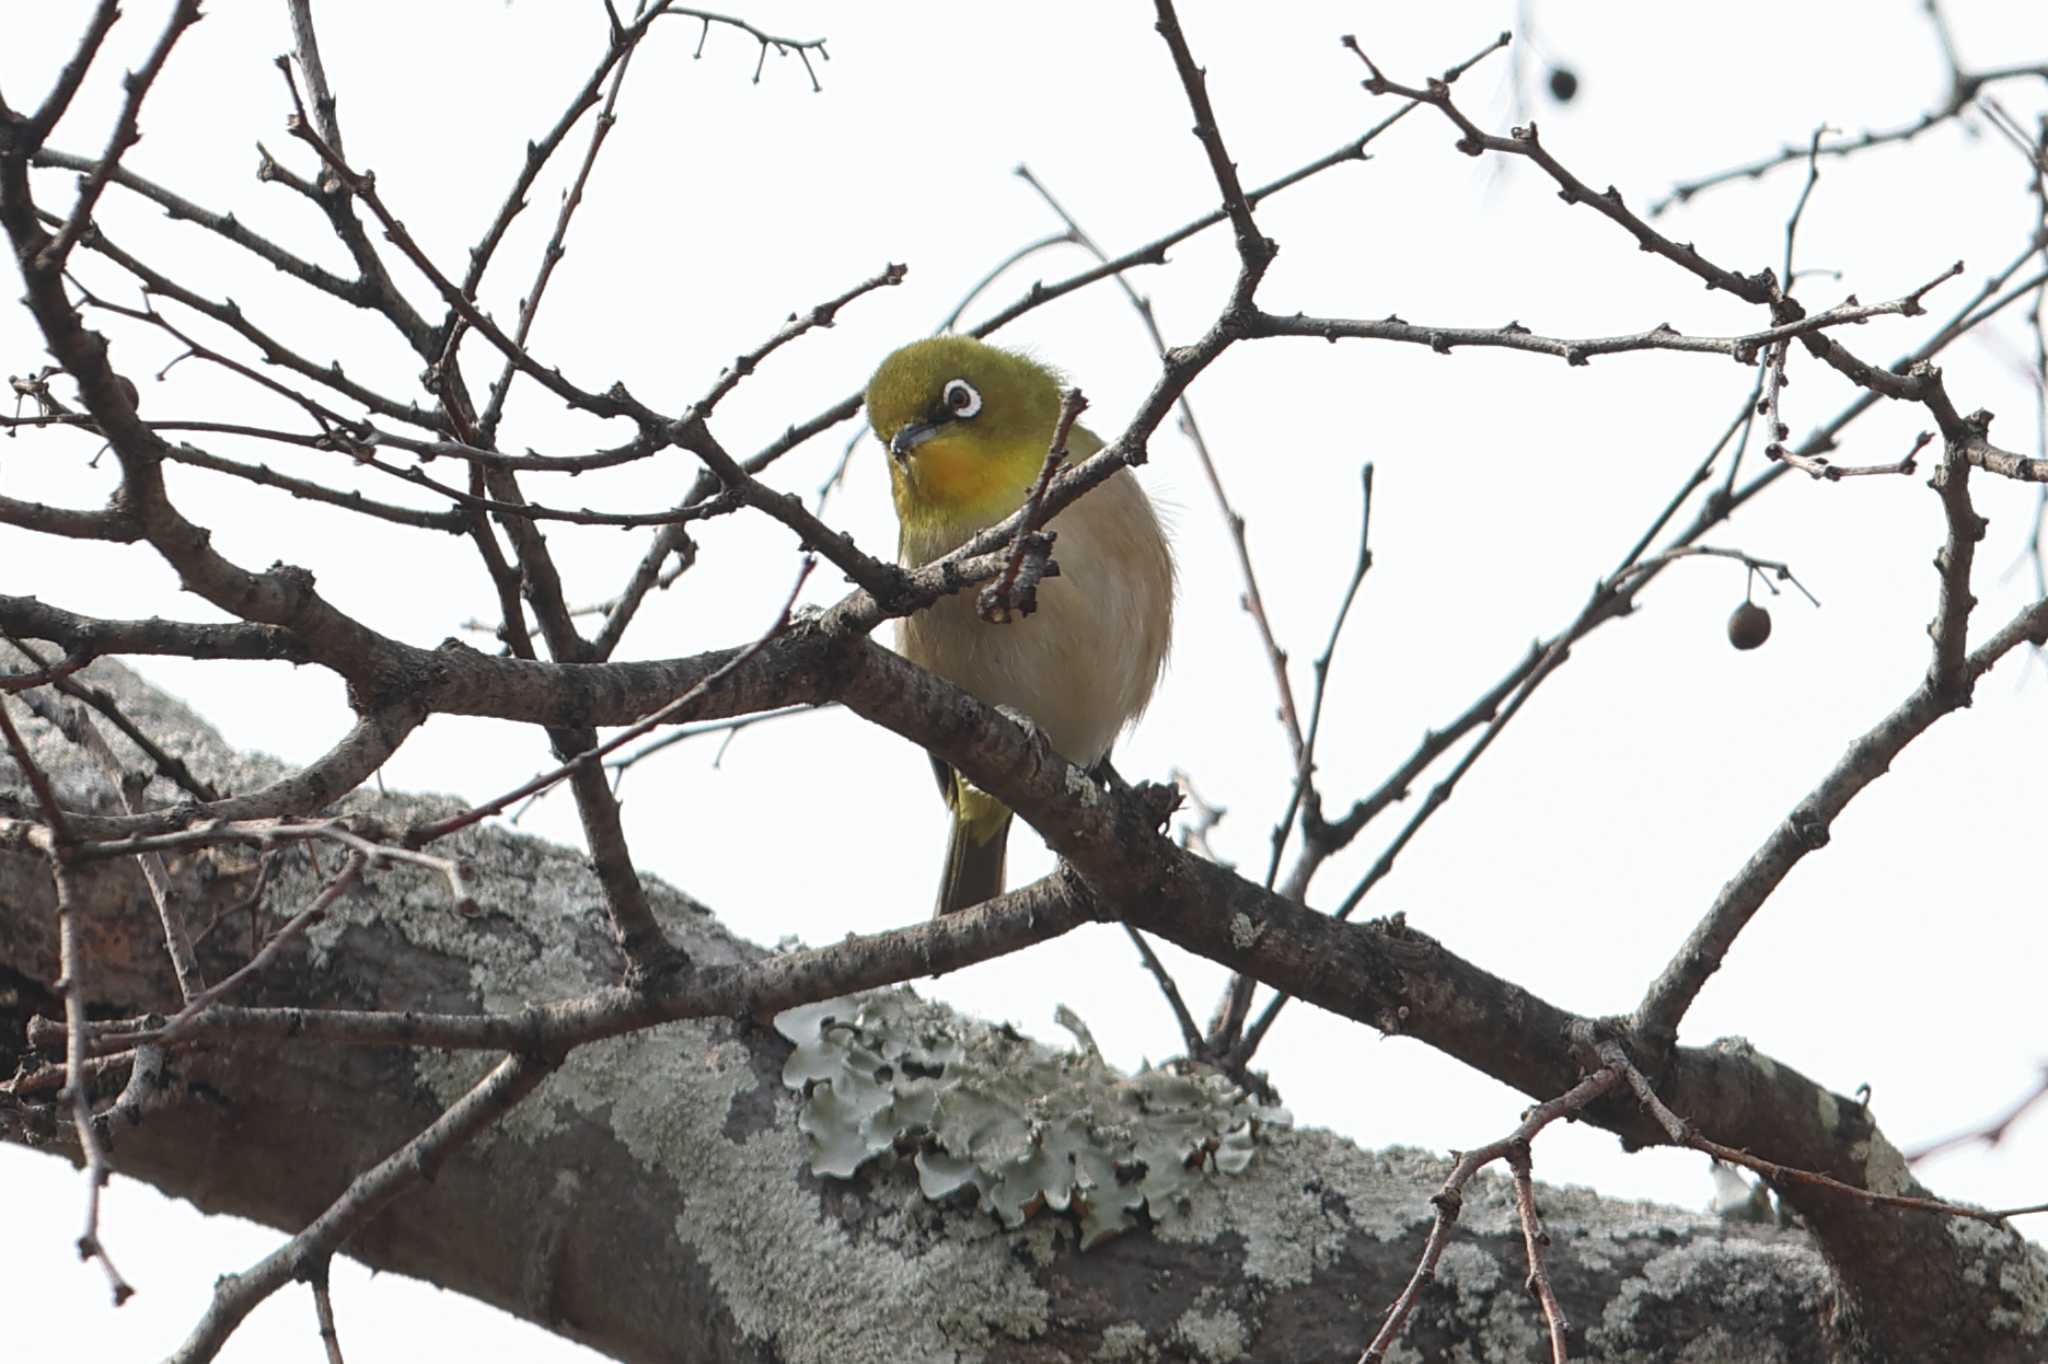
[{"x": 1084, "y": 664}]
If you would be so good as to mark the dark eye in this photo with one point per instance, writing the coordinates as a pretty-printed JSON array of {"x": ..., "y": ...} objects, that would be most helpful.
[{"x": 962, "y": 398}]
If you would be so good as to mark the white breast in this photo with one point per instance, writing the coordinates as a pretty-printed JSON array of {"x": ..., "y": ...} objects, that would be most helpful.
[{"x": 1084, "y": 664}]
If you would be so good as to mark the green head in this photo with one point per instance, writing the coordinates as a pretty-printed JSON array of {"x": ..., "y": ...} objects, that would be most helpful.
[{"x": 966, "y": 425}]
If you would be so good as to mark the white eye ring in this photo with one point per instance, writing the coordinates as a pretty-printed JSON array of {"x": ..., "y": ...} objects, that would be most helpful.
[{"x": 962, "y": 399}]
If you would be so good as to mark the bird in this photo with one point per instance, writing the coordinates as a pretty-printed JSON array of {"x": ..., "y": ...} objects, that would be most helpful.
[{"x": 967, "y": 427}]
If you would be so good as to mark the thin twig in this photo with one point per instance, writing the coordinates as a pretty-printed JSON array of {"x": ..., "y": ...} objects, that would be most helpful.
[
  {"x": 323, "y": 1311},
  {"x": 1190, "y": 1033},
  {"x": 65, "y": 87},
  {"x": 1966, "y": 87},
  {"x": 802, "y": 47},
  {"x": 1254, "y": 601},
  {"x": 236, "y": 1295},
  {"x": 127, "y": 132},
  {"x": 1490, "y": 714},
  {"x": 1683, "y": 1133},
  {"x": 551, "y": 254},
  {"x": 1990, "y": 1133},
  {"x": 1230, "y": 1028},
  {"x": 1950, "y": 627},
  {"x": 995, "y": 272},
  {"x": 1805, "y": 194},
  {"x": 1807, "y": 828},
  {"x": 1194, "y": 834},
  {"x": 1304, "y": 778},
  {"x": 1581, "y": 350},
  {"x": 625, "y": 37},
  {"x": 1254, "y": 251},
  {"x": 422, "y": 834},
  {"x": 1536, "y": 1245},
  {"x": 615, "y": 402},
  {"x": 1450, "y": 1199},
  {"x": 823, "y": 315},
  {"x": 351, "y": 872},
  {"x": 1014, "y": 594},
  {"x": 165, "y": 764},
  {"x": 38, "y": 780},
  {"x": 71, "y": 984},
  {"x": 177, "y": 942},
  {"x": 728, "y": 727}
]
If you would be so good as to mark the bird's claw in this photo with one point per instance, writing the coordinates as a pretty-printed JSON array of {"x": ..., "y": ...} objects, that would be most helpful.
[{"x": 1023, "y": 722}]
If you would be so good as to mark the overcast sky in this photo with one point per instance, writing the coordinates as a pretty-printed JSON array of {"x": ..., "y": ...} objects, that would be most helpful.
[{"x": 1582, "y": 848}]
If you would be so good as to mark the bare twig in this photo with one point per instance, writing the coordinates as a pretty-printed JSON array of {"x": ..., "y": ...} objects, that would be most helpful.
[
  {"x": 1768, "y": 569},
  {"x": 1820, "y": 466},
  {"x": 127, "y": 127},
  {"x": 620, "y": 56},
  {"x": 1963, "y": 88},
  {"x": 44, "y": 675},
  {"x": 1807, "y": 828},
  {"x": 1990, "y": 1133},
  {"x": 236, "y": 1295},
  {"x": 421, "y": 835},
  {"x": 739, "y": 485},
  {"x": 1950, "y": 628},
  {"x": 1536, "y": 1245},
  {"x": 1683, "y": 1133},
  {"x": 995, "y": 272},
  {"x": 351, "y": 872},
  {"x": 223, "y": 225},
  {"x": 1305, "y": 778},
  {"x": 32, "y": 772},
  {"x": 823, "y": 315},
  {"x": 1194, "y": 833},
  {"x": 230, "y": 314},
  {"x": 1030, "y": 914},
  {"x": 615, "y": 402},
  {"x": 33, "y": 1079},
  {"x": 625, "y": 37},
  {"x": 729, "y": 728},
  {"x": 72, "y": 985},
  {"x": 1190, "y": 1033},
  {"x": 307, "y": 48},
  {"x": 1491, "y": 713},
  {"x": 1014, "y": 595},
  {"x": 323, "y": 1311},
  {"x": 1151, "y": 253},
  {"x": 1581, "y": 350},
  {"x": 177, "y": 941},
  {"x": 72, "y": 75},
  {"x": 1231, "y": 1016},
  {"x": 782, "y": 47},
  {"x": 250, "y": 903},
  {"x": 1450, "y": 1200},
  {"x": 331, "y": 194},
  {"x": 1254, "y": 602},
  {"x": 1805, "y": 194}
]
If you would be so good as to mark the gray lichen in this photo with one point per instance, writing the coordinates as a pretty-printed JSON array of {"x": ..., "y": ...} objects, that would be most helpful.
[{"x": 1022, "y": 1126}]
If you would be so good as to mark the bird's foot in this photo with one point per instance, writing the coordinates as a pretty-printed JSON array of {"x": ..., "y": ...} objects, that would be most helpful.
[
  {"x": 1024, "y": 722},
  {"x": 1106, "y": 776}
]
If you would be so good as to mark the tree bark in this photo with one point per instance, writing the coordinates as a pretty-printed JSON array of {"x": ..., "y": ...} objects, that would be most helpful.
[{"x": 653, "y": 1198}]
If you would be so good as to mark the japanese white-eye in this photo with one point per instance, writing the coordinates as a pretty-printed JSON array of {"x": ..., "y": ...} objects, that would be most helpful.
[{"x": 967, "y": 426}]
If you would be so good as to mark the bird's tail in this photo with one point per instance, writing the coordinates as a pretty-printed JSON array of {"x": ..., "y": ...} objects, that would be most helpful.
[{"x": 974, "y": 852}]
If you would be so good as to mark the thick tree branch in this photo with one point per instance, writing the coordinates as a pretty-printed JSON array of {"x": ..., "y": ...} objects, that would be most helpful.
[{"x": 1378, "y": 972}]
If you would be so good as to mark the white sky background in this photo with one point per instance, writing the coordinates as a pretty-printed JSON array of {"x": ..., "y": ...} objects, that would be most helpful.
[{"x": 1580, "y": 851}]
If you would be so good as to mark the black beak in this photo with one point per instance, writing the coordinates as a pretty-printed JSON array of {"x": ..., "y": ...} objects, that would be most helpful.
[{"x": 911, "y": 436}]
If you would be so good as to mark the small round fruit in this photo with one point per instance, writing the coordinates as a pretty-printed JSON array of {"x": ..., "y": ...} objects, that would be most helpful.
[
  {"x": 1564, "y": 83},
  {"x": 1749, "y": 626}
]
